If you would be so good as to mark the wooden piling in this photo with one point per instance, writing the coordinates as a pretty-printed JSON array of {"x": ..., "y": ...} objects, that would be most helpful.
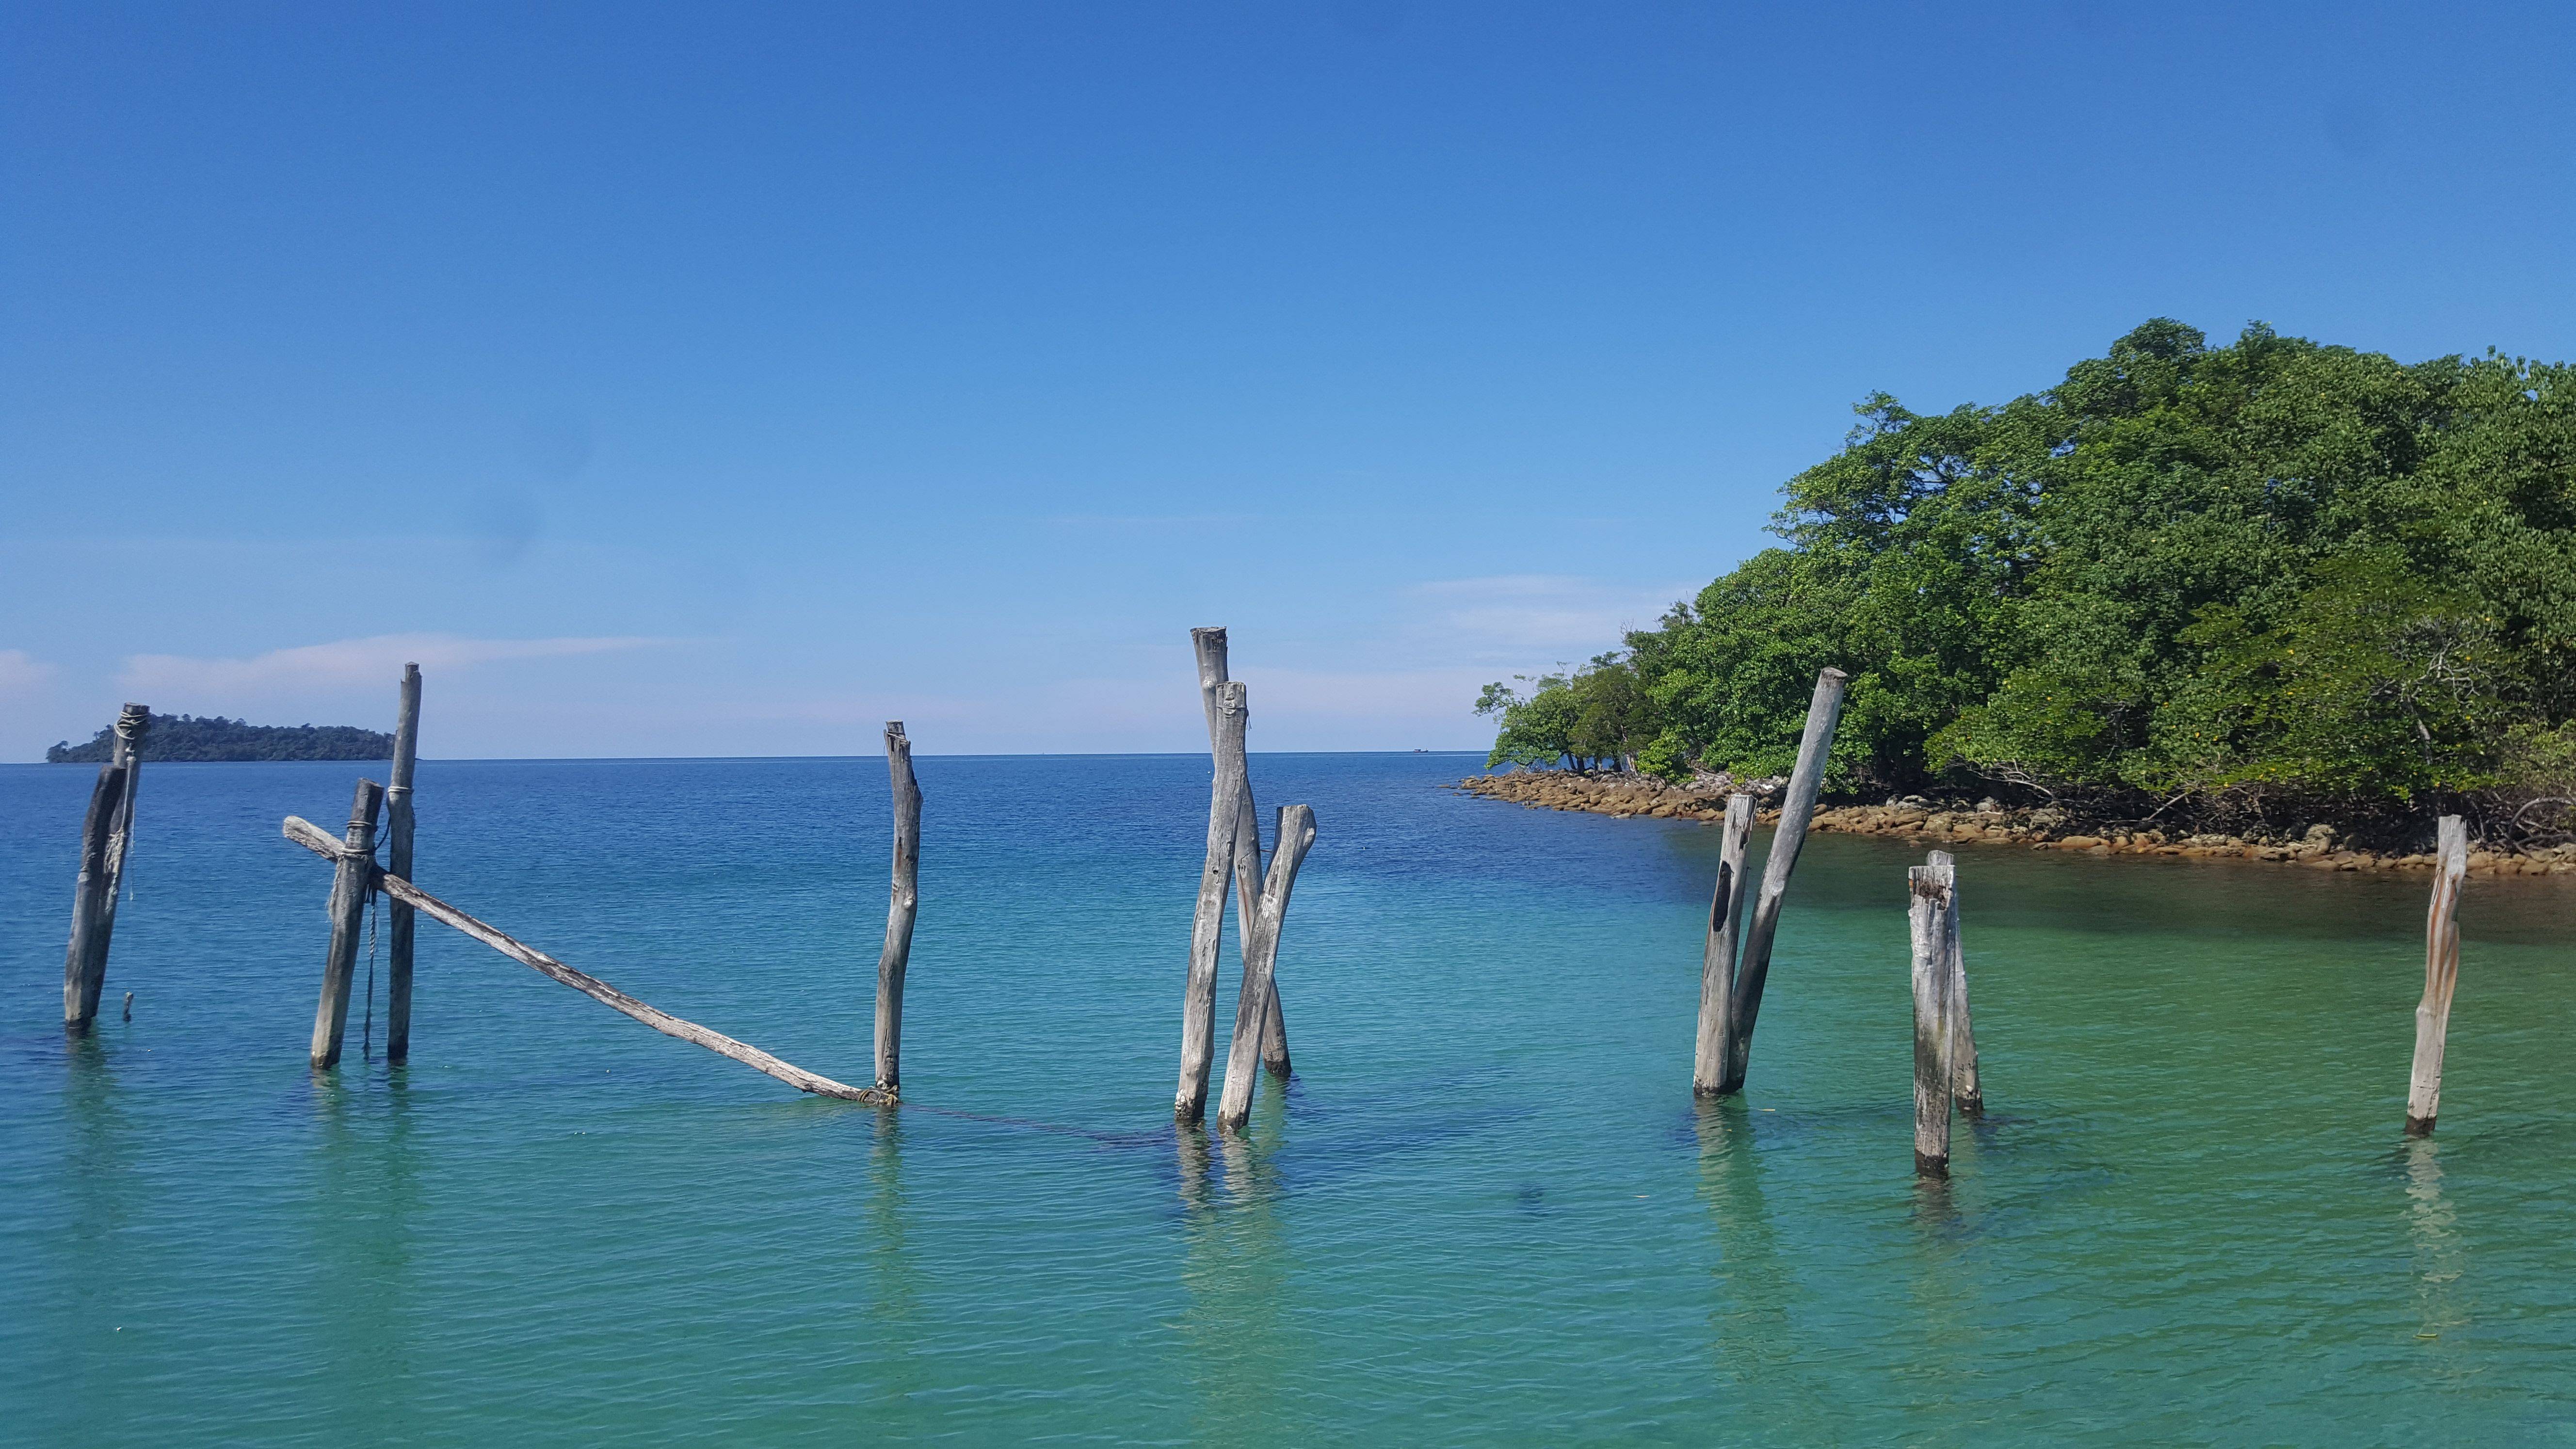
[
  {"x": 901, "y": 907},
  {"x": 2441, "y": 975},
  {"x": 129, "y": 1006},
  {"x": 1226, "y": 796},
  {"x": 349, "y": 887},
  {"x": 84, "y": 965},
  {"x": 1929, "y": 895},
  {"x": 1295, "y": 835},
  {"x": 1718, "y": 951},
  {"x": 1210, "y": 648},
  {"x": 398, "y": 831},
  {"x": 1806, "y": 781},
  {"x": 133, "y": 722},
  {"x": 1965, "y": 1088},
  {"x": 321, "y": 842}
]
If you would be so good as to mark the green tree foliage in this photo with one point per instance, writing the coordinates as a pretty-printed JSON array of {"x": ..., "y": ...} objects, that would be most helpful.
[
  {"x": 2272, "y": 570},
  {"x": 187, "y": 737},
  {"x": 1598, "y": 714}
]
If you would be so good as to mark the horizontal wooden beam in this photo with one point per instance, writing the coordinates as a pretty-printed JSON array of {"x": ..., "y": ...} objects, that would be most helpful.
[{"x": 322, "y": 843}]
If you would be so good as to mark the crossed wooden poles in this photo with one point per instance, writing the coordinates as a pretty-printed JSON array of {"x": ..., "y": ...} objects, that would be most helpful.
[
  {"x": 356, "y": 877},
  {"x": 1234, "y": 858},
  {"x": 1261, "y": 903}
]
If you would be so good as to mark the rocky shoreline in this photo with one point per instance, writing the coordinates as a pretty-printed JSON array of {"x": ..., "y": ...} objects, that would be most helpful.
[{"x": 1981, "y": 823}]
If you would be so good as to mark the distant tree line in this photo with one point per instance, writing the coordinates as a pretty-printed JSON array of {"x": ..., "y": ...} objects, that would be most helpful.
[
  {"x": 187, "y": 737},
  {"x": 2268, "y": 579}
]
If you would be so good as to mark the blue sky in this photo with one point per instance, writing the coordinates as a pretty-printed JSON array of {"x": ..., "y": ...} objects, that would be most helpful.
[{"x": 728, "y": 379}]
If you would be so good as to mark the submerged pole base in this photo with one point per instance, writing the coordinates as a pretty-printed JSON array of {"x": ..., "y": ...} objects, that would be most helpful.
[
  {"x": 1973, "y": 1105},
  {"x": 2419, "y": 1126},
  {"x": 1926, "y": 1165}
]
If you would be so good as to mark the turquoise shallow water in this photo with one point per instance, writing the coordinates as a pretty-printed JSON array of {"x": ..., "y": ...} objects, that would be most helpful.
[{"x": 1485, "y": 1211}]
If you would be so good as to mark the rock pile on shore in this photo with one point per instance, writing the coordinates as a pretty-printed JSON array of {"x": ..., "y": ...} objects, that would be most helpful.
[{"x": 1983, "y": 823}]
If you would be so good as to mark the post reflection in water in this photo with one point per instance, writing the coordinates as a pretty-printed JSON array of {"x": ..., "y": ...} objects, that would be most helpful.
[
  {"x": 1235, "y": 1271},
  {"x": 355, "y": 1279},
  {"x": 1939, "y": 1288},
  {"x": 2439, "y": 1257},
  {"x": 1753, "y": 1340},
  {"x": 898, "y": 1286}
]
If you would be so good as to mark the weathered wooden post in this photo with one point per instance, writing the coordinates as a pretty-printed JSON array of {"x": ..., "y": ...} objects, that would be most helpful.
[
  {"x": 2441, "y": 975},
  {"x": 904, "y": 903},
  {"x": 1806, "y": 781},
  {"x": 398, "y": 826},
  {"x": 1929, "y": 894},
  {"x": 84, "y": 965},
  {"x": 1260, "y": 951},
  {"x": 1717, "y": 951},
  {"x": 1207, "y": 927},
  {"x": 1209, "y": 645},
  {"x": 350, "y": 883},
  {"x": 133, "y": 722},
  {"x": 1964, "y": 1085}
]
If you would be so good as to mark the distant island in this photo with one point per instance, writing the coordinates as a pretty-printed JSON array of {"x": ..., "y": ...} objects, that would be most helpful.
[{"x": 186, "y": 737}]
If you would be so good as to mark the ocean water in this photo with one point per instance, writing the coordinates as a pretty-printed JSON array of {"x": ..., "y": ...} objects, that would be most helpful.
[{"x": 1485, "y": 1210}]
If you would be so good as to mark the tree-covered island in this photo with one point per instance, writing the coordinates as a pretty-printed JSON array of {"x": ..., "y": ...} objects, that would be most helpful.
[
  {"x": 2230, "y": 587},
  {"x": 187, "y": 737}
]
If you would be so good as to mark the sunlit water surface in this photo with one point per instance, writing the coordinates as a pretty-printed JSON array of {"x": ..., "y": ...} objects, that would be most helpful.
[{"x": 1486, "y": 1210}]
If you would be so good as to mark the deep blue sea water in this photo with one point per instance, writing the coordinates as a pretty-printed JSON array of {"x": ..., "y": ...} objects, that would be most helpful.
[{"x": 1486, "y": 1209}]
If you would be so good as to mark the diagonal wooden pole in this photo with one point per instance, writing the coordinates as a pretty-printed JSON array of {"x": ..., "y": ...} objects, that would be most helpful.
[
  {"x": 1797, "y": 809},
  {"x": 1260, "y": 951},
  {"x": 314, "y": 838}
]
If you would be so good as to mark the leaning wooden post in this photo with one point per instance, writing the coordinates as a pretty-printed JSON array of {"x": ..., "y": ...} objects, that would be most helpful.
[
  {"x": 1964, "y": 1085},
  {"x": 1207, "y": 927},
  {"x": 1717, "y": 951},
  {"x": 1929, "y": 892},
  {"x": 80, "y": 982},
  {"x": 1260, "y": 951},
  {"x": 900, "y": 909},
  {"x": 2441, "y": 975},
  {"x": 398, "y": 824},
  {"x": 133, "y": 722},
  {"x": 1824, "y": 711},
  {"x": 1209, "y": 645},
  {"x": 350, "y": 884}
]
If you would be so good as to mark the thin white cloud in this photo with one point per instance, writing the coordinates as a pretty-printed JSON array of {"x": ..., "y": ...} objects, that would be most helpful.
[
  {"x": 22, "y": 673},
  {"x": 341, "y": 663},
  {"x": 1524, "y": 616}
]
